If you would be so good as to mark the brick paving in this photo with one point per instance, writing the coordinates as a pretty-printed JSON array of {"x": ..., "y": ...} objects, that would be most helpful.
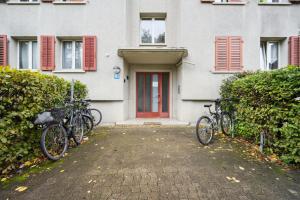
[{"x": 158, "y": 163}]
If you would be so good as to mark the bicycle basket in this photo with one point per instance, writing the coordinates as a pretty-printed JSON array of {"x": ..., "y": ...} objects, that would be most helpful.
[{"x": 58, "y": 114}]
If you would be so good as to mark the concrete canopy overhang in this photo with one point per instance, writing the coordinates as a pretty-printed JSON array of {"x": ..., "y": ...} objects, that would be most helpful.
[{"x": 153, "y": 55}]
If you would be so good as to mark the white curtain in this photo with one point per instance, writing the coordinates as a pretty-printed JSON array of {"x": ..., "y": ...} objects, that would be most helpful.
[
  {"x": 23, "y": 55},
  {"x": 263, "y": 55}
]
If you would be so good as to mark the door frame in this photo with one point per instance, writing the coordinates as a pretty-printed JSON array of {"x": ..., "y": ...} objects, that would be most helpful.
[{"x": 159, "y": 114}]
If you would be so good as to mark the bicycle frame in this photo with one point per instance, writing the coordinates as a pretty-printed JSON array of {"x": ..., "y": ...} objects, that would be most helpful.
[{"x": 215, "y": 117}]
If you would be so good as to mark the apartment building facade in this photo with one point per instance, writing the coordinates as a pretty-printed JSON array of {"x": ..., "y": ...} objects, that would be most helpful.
[{"x": 149, "y": 58}]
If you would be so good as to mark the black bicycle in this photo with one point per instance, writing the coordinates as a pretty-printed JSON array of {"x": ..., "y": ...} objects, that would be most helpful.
[
  {"x": 94, "y": 113},
  {"x": 207, "y": 125},
  {"x": 59, "y": 126},
  {"x": 87, "y": 118}
]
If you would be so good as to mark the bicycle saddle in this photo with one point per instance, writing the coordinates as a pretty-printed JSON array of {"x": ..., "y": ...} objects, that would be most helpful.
[{"x": 207, "y": 106}]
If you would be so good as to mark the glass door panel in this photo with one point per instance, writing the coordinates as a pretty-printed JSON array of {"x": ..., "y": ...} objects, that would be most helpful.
[
  {"x": 140, "y": 92},
  {"x": 148, "y": 93},
  {"x": 155, "y": 93},
  {"x": 152, "y": 94},
  {"x": 165, "y": 92}
]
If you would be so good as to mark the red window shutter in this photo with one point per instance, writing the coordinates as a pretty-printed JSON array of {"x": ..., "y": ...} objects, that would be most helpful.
[
  {"x": 3, "y": 50},
  {"x": 90, "y": 53},
  {"x": 221, "y": 53},
  {"x": 235, "y": 53},
  {"x": 294, "y": 50},
  {"x": 47, "y": 53}
]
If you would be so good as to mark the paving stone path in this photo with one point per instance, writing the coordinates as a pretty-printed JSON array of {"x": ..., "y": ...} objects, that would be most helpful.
[{"x": 157, "y": 163}]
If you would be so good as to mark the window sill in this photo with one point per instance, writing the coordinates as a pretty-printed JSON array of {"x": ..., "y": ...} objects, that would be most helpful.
[
  {"x": 23, "y": 3},
  {"x": 230, "y": 3},
  {"x": 226, "y": 72},
  {"x": 69, "y": 71},
  {"x": 69, "y": 2},
  {"x": 153, "y": 45},
  {"x": 274, "y": 4},
  {"x": 32, "y": 70}
]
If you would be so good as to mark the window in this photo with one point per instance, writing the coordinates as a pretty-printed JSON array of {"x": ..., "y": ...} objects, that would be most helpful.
[
  {"x": 274, "y": 1},
  {"x": 269, "y": 55},
  {"x": 29, "y": 1},
  {"x": 28, "y": 56},
  {"x": 72, "y": 55},
  {"x": 153, "y": 31},
  {"x": 230, "y": 1},
  {"x": 69, "y": 2}
]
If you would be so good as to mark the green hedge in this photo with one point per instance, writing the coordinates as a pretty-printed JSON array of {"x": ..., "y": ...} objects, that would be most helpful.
[
  {"x": 24, "y": 94},
  {"x": 267, "y": 104}
]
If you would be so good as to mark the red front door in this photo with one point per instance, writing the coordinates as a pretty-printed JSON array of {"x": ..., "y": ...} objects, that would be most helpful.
[{"x": 152, "y": 94}]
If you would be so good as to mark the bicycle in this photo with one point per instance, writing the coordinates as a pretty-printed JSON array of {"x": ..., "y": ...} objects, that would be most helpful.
[
  {"x": 59, "y": 126},
  {"x": 207, "y": 125},
  {"x": 94, "y": 113},
  {"x": 86, "y": 116}
]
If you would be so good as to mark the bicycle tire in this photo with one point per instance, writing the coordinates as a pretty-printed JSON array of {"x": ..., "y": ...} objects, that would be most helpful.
[
  {"x": 96, "y": 116},
  {"x": 199, "y": 131},
  {"x": 226, "y": 118},
  {"x": 88, "y": 124},
  {"x": 77, "y": 129},
  {"x": 44, "y": 145}
]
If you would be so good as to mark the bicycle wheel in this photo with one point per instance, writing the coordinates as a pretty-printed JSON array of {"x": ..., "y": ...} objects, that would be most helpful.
[
  {"x": 88, "y": 124},
  {"x": 54, "y": 141},
  {"x": 78, "y": 129},
  {"x": 204, "y": 130},
  {"x": 96, "y": 116},
  {"x": 226, "y": 123}
]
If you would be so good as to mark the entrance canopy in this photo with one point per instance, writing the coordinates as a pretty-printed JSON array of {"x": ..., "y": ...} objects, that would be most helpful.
[{"x": 149, "y": 55}]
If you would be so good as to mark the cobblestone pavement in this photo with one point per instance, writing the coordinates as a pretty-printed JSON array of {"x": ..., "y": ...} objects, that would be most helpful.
[{"x": 157, "y": 163}]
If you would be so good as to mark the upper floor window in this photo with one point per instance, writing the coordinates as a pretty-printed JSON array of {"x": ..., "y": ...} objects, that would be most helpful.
[
  {"x": 269, "y": 55},
  {"x": 153, "y": 31},
  {"x": 28, "y": 55},
  {"x": 229, "y": 1},
  {"x": 274, "y": 1},
  {"x": 72, "y": 55},
  {"x": 28, "y": 0}
]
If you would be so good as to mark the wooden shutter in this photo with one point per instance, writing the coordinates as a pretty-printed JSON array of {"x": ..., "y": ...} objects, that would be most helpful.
[
  {"x": 221, "y": 53},
  {"x": 47, "y": 53},
  {"x": 90, "y": 53},
  {"x": 294, "y": 50},
  {"x": 235, "y": 53},
  {"x": 3, "y": 50}
]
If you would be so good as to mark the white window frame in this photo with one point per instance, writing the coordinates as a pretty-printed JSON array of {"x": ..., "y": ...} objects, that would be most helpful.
[
  {"x": 29, "y": 1},
  {"x": 62, "y": 2},
  {"x": 19, "y": 2},
  {"x": 268, "y": 51},
  {"x": 29, "y": 54},
  {"x": 152, "y": 31},
  {"x": 270, "y": 2},
  {"x": 73, "y": 55}
]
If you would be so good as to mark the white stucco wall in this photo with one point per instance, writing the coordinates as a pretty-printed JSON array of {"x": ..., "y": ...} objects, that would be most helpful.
[{"x": 189, "y": 24}]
